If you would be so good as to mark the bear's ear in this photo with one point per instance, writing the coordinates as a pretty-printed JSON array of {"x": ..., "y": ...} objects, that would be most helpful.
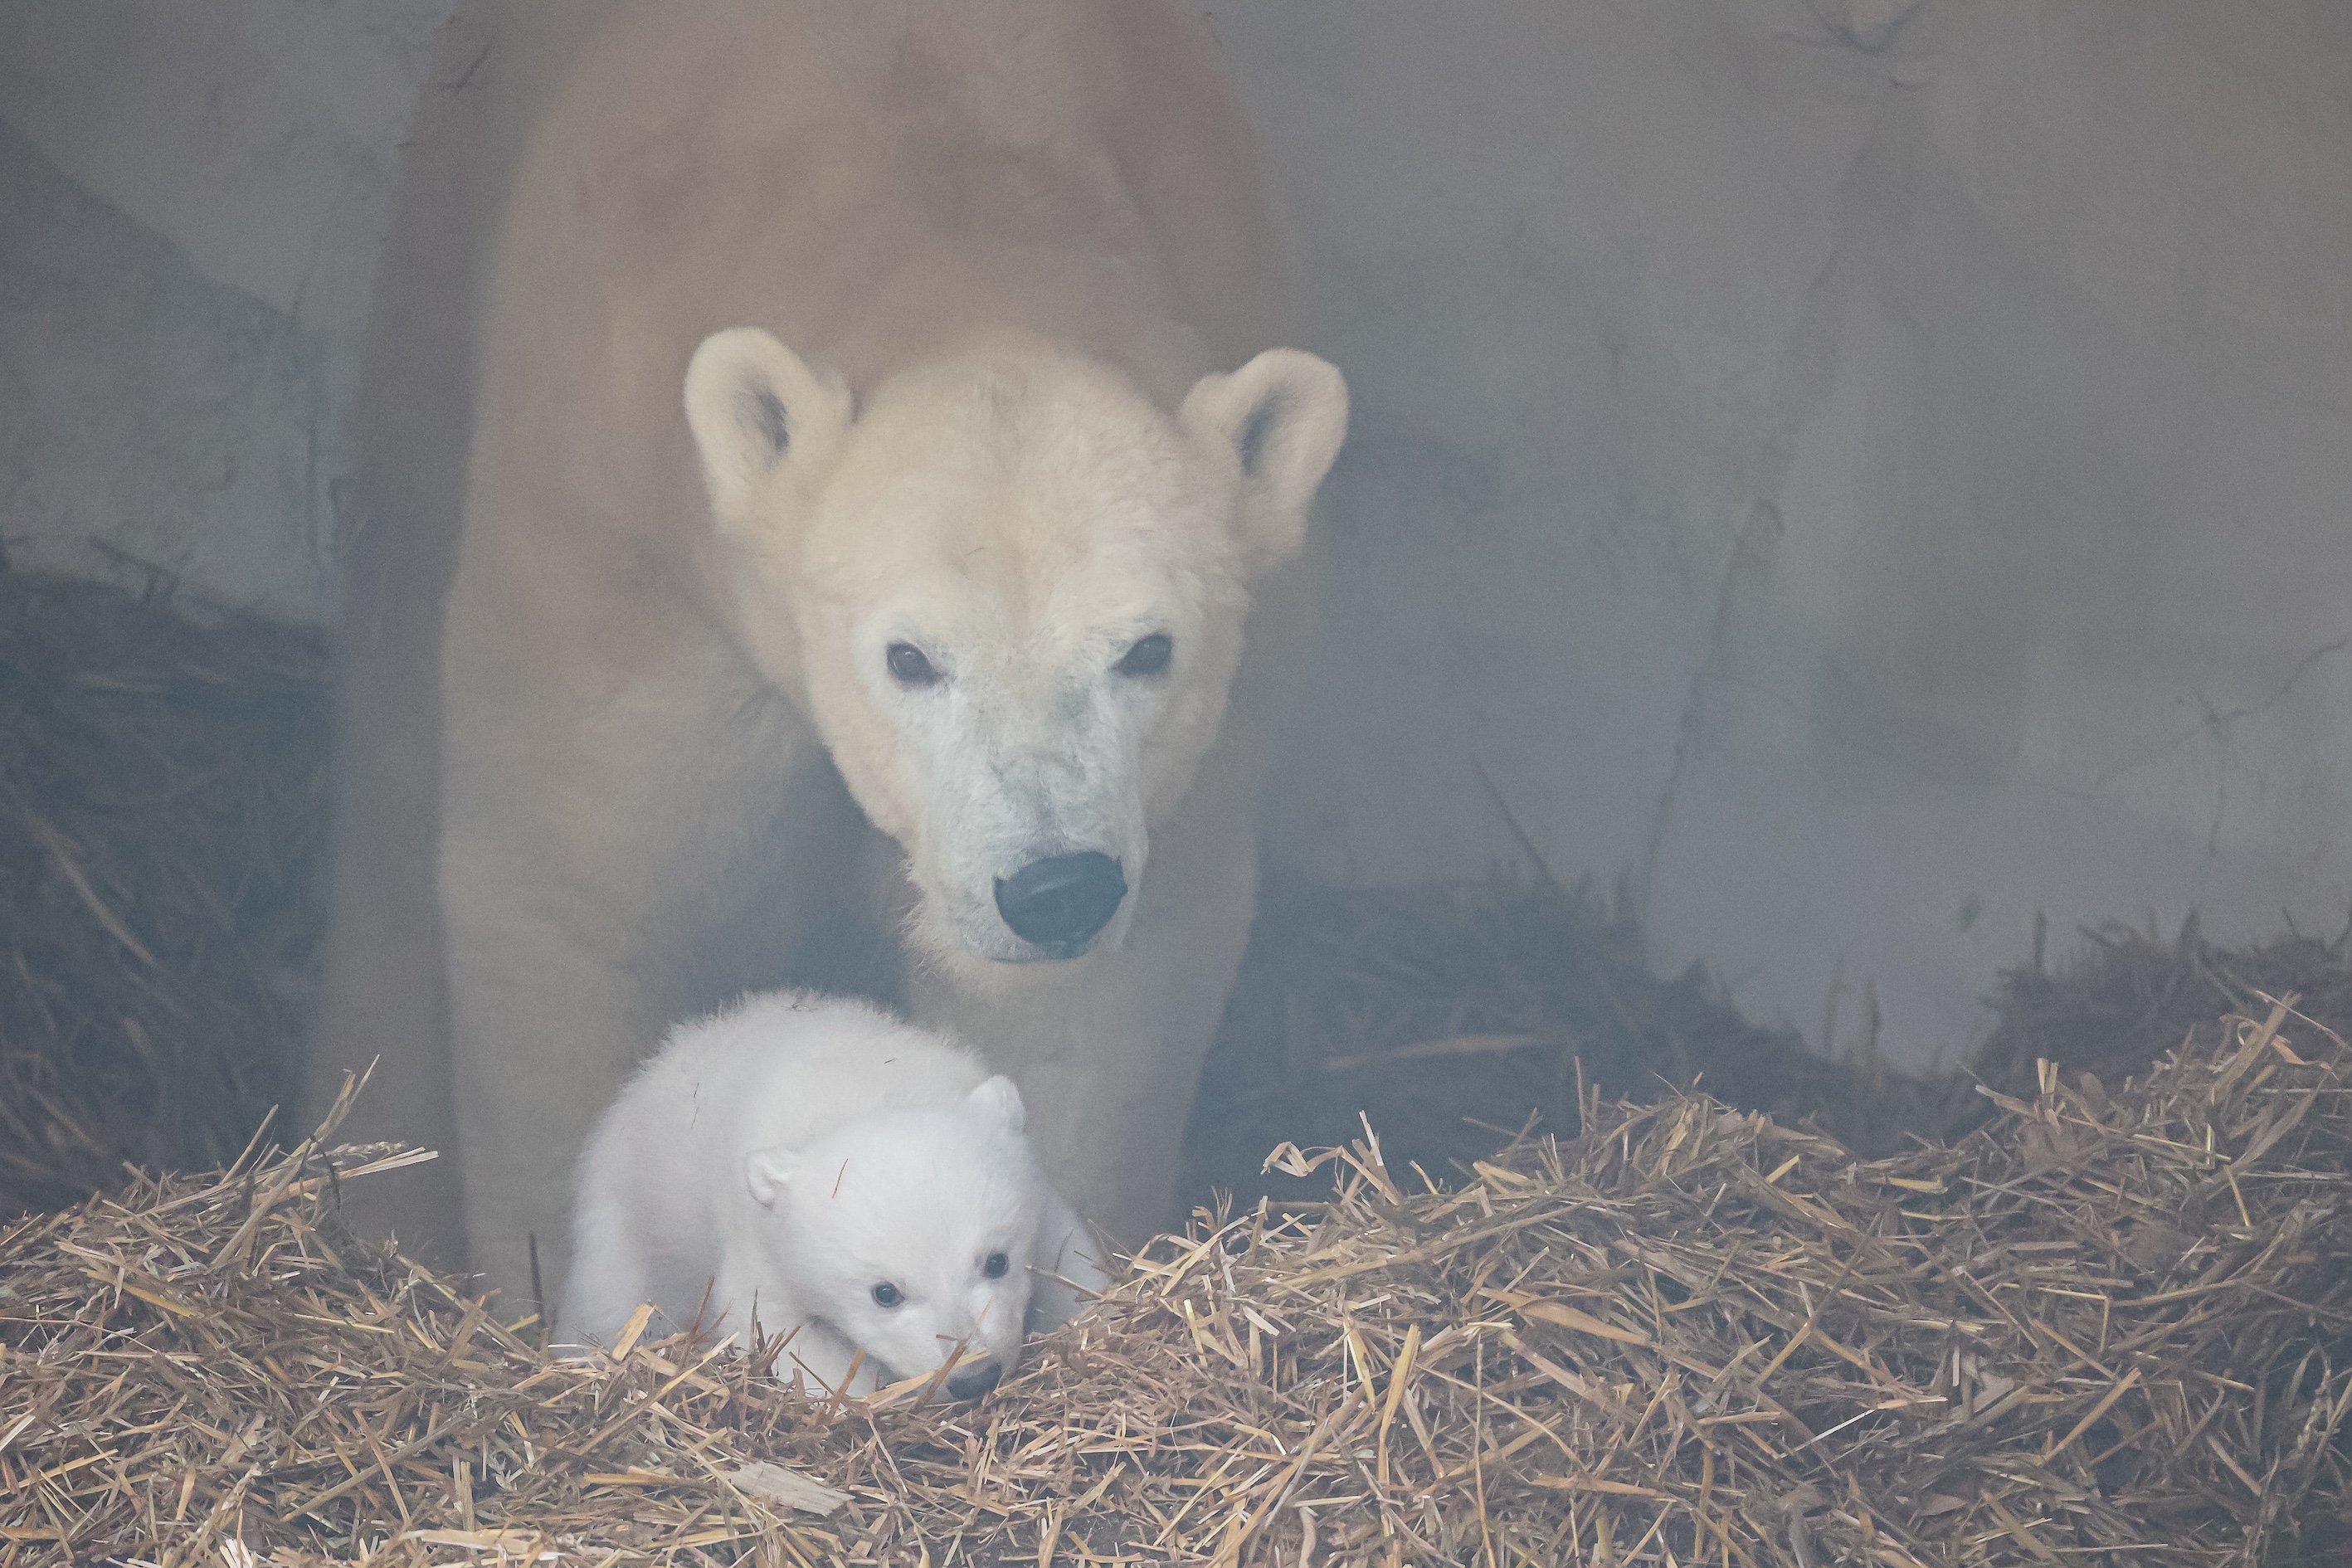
[
  {"x": 1281, "y": 417},
  {"x": 1000, "y": 1097},
  {"x": 754, "y": 406},
  {"x": 769, "y": 1173}
]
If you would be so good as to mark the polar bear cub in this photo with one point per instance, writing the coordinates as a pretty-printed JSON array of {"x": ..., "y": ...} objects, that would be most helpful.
[{"x": 813, "y": 1165}]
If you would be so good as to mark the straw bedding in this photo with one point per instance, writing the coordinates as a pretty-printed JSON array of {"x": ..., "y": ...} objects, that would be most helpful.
[
  {"x": 1453, "y": 1013},
  {"x": 163, "y": 799},
  {"x": 2110, "y": 1325},
  {"x": 2079, "y": 1323}
]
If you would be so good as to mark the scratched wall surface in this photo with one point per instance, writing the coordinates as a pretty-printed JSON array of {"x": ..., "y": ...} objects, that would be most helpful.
[
  {"x": 191, "y": 202},
  {"x": 1864, "y": 482},
  {"x": 1860, "y": 473}
]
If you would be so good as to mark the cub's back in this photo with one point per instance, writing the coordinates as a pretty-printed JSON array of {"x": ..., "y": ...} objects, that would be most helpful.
[{"x": 778, "y": 1069}]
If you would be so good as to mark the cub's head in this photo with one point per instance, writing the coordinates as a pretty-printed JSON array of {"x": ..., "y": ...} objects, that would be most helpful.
[
  {"x": 912, "y": 1232},
  {"x": 1010, "y": 591}
]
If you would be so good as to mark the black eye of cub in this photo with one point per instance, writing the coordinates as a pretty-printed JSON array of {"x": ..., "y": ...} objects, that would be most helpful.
[
  {"x": 1150, "y": 656},
  {"x": 909, "y": 667},
  {"x": 887, "y": 1295},
  {"x": 996, "y": 1265}
]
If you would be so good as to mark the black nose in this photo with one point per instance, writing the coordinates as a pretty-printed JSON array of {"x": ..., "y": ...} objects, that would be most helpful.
[
  {"x": 972, "y": 1385},
  {"x": 1060, "y": 903}
]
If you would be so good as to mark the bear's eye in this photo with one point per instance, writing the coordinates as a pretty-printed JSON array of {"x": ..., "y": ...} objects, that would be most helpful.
[
  {"x": 887, "y": 1294},
  {"x": 996, "y": 1265},
  {"x": 1150, "y": 656},
  {"x": 909, "y": 666}
]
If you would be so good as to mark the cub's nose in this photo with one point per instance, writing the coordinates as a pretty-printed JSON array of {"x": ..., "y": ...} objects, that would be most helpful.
[
  {"x": 976, "y": 1380},
  {"x": 1059, "y": 903}
]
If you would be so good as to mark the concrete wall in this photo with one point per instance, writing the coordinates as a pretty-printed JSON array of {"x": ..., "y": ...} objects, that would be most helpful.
[
  {"x": 191, "y": 200},
  {"x": 1861, "y": 473},
  {"x": 1866, "y": 495}
]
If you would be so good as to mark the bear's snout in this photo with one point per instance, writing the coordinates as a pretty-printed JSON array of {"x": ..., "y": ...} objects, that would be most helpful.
[
  {"x": 1059, "y": 903},
  {"x": 974, "y": 1382}
]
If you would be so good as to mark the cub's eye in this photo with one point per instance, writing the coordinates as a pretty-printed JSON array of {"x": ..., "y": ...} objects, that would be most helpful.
[
  {"x": 909, "y": 667},
  {"x": 887, "y": 1294},
  {"x": 1150, "y": 656},
  {"x": 996, "y": 1265}
]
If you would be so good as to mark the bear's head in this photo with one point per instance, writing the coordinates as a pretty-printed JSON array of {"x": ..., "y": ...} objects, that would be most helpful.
[
  {"x": 1010, "y": 591},
  {"x": 911, "y": 1233}
]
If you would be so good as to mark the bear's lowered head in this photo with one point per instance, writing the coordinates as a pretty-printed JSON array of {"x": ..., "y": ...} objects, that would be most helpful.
[{"x": 1009, "y": 589}]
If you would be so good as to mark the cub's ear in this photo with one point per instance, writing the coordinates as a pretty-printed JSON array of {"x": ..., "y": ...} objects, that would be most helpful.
[
  {"x": 755, "y": 407},
  {"x": 1281, "y": 418},
  {"x": 769, "y": 1173},
  {"x": 1001, "y": 1097}
]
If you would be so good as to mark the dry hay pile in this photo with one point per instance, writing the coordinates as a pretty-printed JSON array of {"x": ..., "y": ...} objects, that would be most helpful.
[
  {"x": 162, "y": 812},
  {"x": 1452, "y": 1012},
  {"x": 2110, "y": 1326},
  {"x": 2126, "y": 994}
]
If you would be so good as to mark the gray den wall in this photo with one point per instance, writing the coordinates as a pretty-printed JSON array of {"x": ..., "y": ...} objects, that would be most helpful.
[{"x": 1859, "y": 472}]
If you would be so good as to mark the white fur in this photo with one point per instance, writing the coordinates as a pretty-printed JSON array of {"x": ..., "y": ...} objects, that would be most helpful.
[
  {"x": 1023, "y": 517},
  {"x": 774, "y": 1163},
  {"x": 953, "y": 324}
]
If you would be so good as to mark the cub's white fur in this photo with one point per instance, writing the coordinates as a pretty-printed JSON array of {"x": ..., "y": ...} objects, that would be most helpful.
[{"x": 815, "y": 1165}]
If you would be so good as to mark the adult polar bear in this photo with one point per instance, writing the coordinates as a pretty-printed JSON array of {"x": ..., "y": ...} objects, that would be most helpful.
[{"x": 986, "y": 450}]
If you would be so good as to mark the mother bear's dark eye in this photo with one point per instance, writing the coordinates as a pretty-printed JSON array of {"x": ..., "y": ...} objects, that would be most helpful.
[
  {"x": 1150, "y": 656},
  {"x": 996, "y": 1265},
  {"x": 887, "y": 1295},
  {"x": 909, "y": 667}
]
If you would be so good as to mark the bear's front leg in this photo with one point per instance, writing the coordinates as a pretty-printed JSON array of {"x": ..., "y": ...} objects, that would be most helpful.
[
  {"x": 608, "y": 1275},
  {"x": 548, "y": 1019},
  {"x": 1069, "y": 1271},
  {"x": 604, "y": 848}
]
